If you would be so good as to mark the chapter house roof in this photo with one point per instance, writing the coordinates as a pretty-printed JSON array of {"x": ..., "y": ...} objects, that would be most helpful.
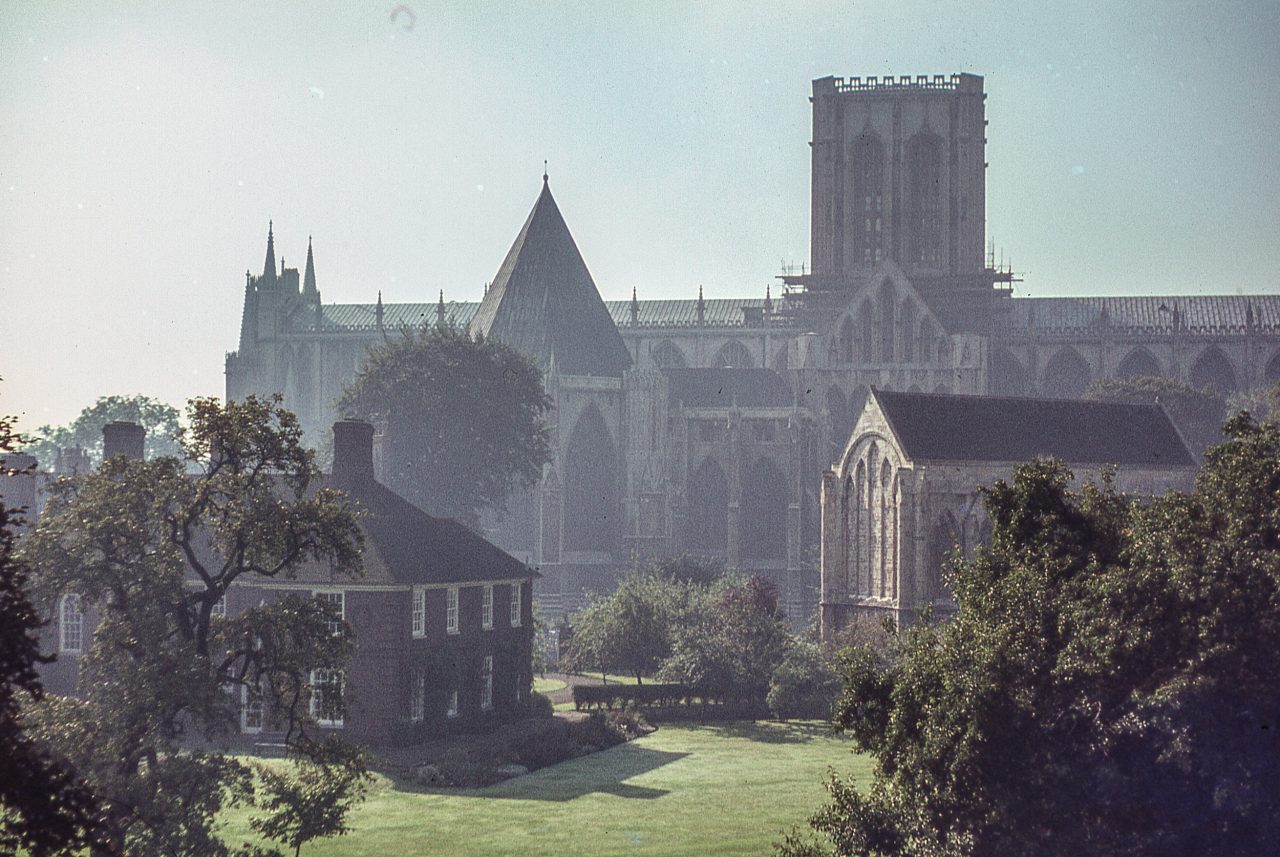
[
  {"x": 544, "y": 303},
  {"x": 932, "y": 426}
]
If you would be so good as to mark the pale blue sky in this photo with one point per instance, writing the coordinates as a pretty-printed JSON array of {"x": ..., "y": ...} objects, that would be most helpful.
[{"x": 143, "y": 147}]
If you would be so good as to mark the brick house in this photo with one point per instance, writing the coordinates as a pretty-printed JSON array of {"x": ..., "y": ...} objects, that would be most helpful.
[{"x": 443, "y": 619}]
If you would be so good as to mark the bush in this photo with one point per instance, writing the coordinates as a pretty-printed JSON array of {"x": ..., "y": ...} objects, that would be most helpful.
[
  {"x": 618, "y": 695},
  {"x": 540, "y": 706},
  {"x": 804, "y": 685}
]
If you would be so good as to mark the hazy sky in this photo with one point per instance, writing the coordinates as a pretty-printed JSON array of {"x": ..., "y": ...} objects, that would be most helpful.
[{"x": 144, "y": 146}]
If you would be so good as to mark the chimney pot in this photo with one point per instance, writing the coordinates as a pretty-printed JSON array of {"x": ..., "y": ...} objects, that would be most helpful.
[
  {"x": 352, "y": 450},
  {"x": 127, "y": 439}
]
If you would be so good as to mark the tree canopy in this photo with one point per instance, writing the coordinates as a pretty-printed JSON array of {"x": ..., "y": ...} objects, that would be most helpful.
[
  {"x": 161, "y": 422},
  {"x": 150, "y": 549},
  {"x": 723, "y": 635},
  {"x": 1108, "y": 684},
  {"x": 464, "y": 419},
  {"x": 44, "y": 809}
]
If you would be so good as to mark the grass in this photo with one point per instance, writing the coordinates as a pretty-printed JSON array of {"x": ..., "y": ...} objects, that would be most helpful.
[
  {"x": 547, "y": 685},
  {"x": 725, "y": 789}
]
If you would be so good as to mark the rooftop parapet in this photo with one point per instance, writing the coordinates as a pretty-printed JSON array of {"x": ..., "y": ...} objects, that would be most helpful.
[{"x": 936, "y": 82}]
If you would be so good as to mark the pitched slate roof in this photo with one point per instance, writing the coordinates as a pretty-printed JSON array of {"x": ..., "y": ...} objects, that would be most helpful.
[
  {"x": 934, "y": 426},
  {"x": 544, "y": 303},
  {"x": 720, "y": 388},
  {"x": 1194, "y": 313},
  {"x": 403, "y": 544}
]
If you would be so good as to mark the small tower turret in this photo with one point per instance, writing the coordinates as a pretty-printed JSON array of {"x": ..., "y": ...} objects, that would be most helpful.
[
  {"x": 269, "y": 267},
  {"x": 310, "y": 293}
]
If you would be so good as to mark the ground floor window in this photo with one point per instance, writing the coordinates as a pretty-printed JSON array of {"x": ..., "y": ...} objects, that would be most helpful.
[
  {"x": 452, "y": 710},
  {"x": 326, "y": 697},
  {"x": 486, "y": 683},
  {"x": 418, "y": 698},
  {"x": 251, "y": 710}
]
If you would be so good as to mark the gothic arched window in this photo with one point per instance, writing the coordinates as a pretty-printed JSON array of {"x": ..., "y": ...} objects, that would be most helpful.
[
  {"x": 733, "y": 355},
  {"x": 888, "y": 299},
  {"x": 668, "y": 356},
  {"x": 708, "y": 509},
  {"x": 1138, "y": 363},
  {"x": 765, "y": 500},
  {"x": 924, "y": 199},
  {"x": 1066, "y": 376},
  {"x": 1213, "y": 369},
  {"x": 868, "y": 199},
  {"x": 590, "y": 486}
]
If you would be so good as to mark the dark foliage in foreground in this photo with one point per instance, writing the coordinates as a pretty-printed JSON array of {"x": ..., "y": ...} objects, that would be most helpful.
[{"x": 1109, "y": 686}]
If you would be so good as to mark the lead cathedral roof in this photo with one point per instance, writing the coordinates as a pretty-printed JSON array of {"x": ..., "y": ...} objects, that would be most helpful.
[{"x": 1025, "y": 316}]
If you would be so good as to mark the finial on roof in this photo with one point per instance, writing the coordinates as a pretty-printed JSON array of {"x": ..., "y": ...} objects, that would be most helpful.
[
  {"x": 377, "y": 311},
  {"x": 635, "y": 308},
  {"x": 269, "y": 266},
  {"x": 440, "y": 311},
  {"x": 309, "y": 290},
  {"x": 544, "y": 170},
  {"x": 768, "y": 299},
  {"x": 702, "y": 306}
]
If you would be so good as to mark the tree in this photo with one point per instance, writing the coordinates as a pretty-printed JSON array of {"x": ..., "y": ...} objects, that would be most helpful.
[
  {"x": 631, "y": 630},
  {"x": 1106, "y": 686},
  {"x": 804, "y": 684},
  {"x": 464, "y": 419},
  {"x": 732, "y": 645},
  {"x": 313, "y": 803},
  {"x": 151, "y": 547},
  {"x": 161, "y": 421},
  {"x": 1198, "y": 414},
  {"x": 44, "y": 809}
]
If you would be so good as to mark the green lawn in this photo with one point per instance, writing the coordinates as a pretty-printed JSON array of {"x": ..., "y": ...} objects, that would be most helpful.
[
  {"x": 720, "y": 789},
  {"x": 541, "y": 684}
]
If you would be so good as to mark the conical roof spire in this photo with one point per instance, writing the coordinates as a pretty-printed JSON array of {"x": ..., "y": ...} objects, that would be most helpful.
[
  {"x": 377, "y": 312},
  {"x": 543, "y": 301},
  {"x": 635, "y": 308},
  {"x": 702, "y": 307},
  {"x": 441, "y": 314},
  {"x": 309, "y": 290},
  {"x": 269, "y": 267}
]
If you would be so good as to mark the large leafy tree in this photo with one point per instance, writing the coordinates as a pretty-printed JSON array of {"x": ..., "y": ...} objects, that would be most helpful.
[
  {"x": 732, "y": 645},
  {"x": 161, "y": 421},
  {"x": 464, "y": 417},
  {"x": 631, "y": 630},
  {"x": 1107, "y": 685},
  {"x": 151, "y": 547},
  {"x": 43, "y": 808}
]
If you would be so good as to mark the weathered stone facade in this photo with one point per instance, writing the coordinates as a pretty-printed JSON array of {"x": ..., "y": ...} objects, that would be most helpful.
[
  {"x": 904, "y": 493},
  {"x": 901, "y": 296}
]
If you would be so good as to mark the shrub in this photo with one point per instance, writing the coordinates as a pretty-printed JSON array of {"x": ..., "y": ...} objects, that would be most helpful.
[
  {"x": 540, "y": 706},
  {"x": 804, "y": 685}
]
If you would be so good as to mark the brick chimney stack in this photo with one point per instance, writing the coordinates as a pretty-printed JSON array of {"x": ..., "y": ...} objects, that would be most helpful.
[
  {"x": 352, "y": 450},
  {"x": 125, "y": 439}
]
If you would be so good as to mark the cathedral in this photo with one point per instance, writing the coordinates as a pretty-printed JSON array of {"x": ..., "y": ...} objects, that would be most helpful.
[{"x": 704, "y": 426}]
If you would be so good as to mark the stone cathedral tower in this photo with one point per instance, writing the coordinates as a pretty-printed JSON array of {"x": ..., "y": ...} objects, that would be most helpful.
[{"x": 899, "y": 175}]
